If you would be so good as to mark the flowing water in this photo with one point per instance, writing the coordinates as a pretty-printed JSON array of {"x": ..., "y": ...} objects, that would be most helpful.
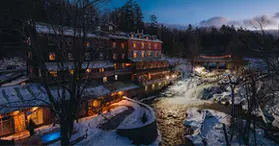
[{"x": 171, "y": 106}]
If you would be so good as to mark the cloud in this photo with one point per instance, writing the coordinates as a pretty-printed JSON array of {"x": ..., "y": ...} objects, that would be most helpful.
[
  {"x": 214, "y": 21},
  {"x": 265, "y": 21}
]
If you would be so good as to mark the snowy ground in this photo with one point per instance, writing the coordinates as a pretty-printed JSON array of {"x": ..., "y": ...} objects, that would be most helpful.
[
  {"x": 208, "y": 127},
  {"x": 100, "y": 137}
]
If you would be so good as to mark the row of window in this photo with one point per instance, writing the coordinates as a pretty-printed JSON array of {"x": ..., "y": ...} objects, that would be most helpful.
[
  {"x": 88, "y": 56},
  {"x": 142, "y": 54},
  {"x": 135, "y": 45}
]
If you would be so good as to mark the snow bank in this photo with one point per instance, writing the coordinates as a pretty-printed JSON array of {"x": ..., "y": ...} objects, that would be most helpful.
[
  {"x": 207, "y": 126},
  {"x": 18, "y": 62}
]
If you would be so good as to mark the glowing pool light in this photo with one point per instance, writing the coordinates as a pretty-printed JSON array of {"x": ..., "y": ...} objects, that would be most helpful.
[{"x": 50, "y": 137}]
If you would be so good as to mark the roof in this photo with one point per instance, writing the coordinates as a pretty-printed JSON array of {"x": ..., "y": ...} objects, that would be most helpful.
[
  {"x": 48, "y": 29},
  {"x": 30, "y": 95},
  {"x": 54, "y": 66},
  {"x": 149, "y": 59},
  {"x": 121, "y": 86}
]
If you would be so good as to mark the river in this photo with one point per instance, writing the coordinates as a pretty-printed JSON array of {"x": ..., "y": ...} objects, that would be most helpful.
[{"x": 171, "y": 106}]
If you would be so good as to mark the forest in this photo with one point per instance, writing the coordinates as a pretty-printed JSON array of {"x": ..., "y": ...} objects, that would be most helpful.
[{"x": 188, "y": 43}]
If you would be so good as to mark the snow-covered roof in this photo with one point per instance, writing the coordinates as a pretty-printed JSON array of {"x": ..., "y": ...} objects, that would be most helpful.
[
  {"x": 16, "y": 81},
  {"x": 148, "y": 59},
  {"x": 54, "y": 66},
  {"x": 17, "y": 97},
  {"x": 67, "y": 31}
]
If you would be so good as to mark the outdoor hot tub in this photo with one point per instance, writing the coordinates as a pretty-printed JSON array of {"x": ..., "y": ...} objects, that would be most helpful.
[{"x": 51, "y": 137}]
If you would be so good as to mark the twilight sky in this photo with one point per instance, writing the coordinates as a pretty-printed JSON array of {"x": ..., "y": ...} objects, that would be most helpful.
[{"x": 208, "y": 12}]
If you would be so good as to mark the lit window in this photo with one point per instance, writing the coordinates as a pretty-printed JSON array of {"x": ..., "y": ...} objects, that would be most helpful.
[
  {"x": 116, "y": 77},
  {"x": 123, "y": 65},
  {"x": 114, "y": 44},
  {"x": 114, "y": 56},
  {"x": 87, "y": 56},
  {"x": 149, "y": 53},
  {"x": 28, "y": 41},
  {"x": 122, "y": 45},
  {"x": 132, "y": 35},
  {"x": 70, "y": 56},
  {"x": 114, "y": 65},
  {"x": 30, "y": 55},
  {"x": 123, "y": 56},
  {"x": 142, "y": 45},
  {"x": 156, "y": 54},
  {"x": 142, "y": 54},
  {"x": 105, "y": 79},
  {"x": 146, "y": 88},
  {"x": 101, "y": 69},
  {"x": 134, "y": 45},
  {"x": 155, "y": 46},
  {"x": 146, "y": 37},
  {"x": 135, "y": 54},
  {"x": 71, "y": 72},
  {"x": 87, "y": 44},
  {"x": 153, "y": 86},
  {"x": 101, "y": 55},
  {"x": 51, "y": 56},
  {"x": 149, "y": 45},
  {"x": 128, "y": 64},
  {"x": 88, "y": 70},
  {"x": 53, "y": 73},
  {"x": 140, "y": 36}
]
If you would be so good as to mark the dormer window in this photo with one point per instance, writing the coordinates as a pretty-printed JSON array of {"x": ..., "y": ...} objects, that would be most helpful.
[
  {"x": 146, "y": 37},
  {"x": 51, "y": 56},
  {"x": 140, "y": 36},
  {"x": 132, "y": 35}
]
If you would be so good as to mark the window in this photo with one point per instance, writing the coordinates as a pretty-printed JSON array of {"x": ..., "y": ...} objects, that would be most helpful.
[
  {"x": 71, "y": 72},
  {"x": 156, "y": 54},
  {"x": 146, "y": 37},
  {"x": 30, "y": 55},
  {"x": 101, "y": 55},
  {"x": 51, "y": 56},
  {"x": 122, "y": 45},
  {"x": 114, "y": 44},
  {"x": 70, "y": 56},
  {"x": 123, "y": 56},
  {"x": 142, "y": 45},
  {"x": 123, "y": 65},
  {"x": 30, "y": 69},
  {"x": 115, "y": 77},
  {"x": 149, "y": 53},
  {"x": 87, "y": 44},
  {"x": 155, "y": 46},
  {"x": 114, "y": 65},
  {"x": 105, "y": 79},
  {"x": 134, "y": 44},
  {"x": 53, "y": 73},
  {"x": 135, "y": 54},
  {"x": 153, "y": 86},
  {"x": 132, "y": 35},
  {"x": 101, "y": 69},
  {"x": 87, "y": 56},
  {"x": 149, "y": 45},
  {"x": 88, "y": 70},
  {"x": 146, "y": 88},
  {"x": 114, "y": 56},
  {"x": 142, "y": 54}
]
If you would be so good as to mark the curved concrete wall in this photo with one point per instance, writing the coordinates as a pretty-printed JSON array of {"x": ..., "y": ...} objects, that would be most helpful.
[{"x": 145, "y": 134}]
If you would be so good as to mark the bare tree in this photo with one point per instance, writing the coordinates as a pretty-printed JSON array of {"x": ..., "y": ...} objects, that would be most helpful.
[{"x": 67, "y": 33}]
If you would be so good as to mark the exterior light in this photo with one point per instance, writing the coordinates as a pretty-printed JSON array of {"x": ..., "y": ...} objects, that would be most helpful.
[
  {"x": 167, "y": 77},
  {"x": 173, "y": 76},
  {"x": 120, "y": 93}
]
